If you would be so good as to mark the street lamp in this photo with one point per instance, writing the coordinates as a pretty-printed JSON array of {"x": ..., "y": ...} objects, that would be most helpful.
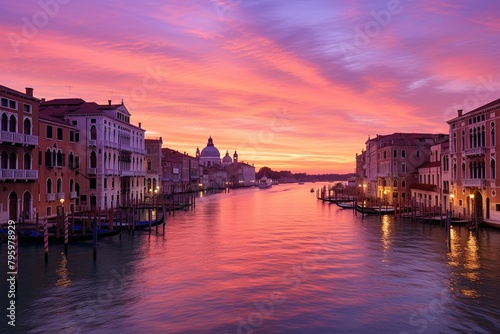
[{"x": 452, "y": 197}]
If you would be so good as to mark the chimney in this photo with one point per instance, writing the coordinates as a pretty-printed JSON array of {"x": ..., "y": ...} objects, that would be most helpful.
[
  {"x": 109, "y": 103},
  {"x": 460, "y": 112},
  {"x": 29, "y": 91},
  {"x": 140, "y": 124}
]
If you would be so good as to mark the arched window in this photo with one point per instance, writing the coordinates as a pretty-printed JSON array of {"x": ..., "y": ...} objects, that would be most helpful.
[
  {"x": 71, "y": 185},
  {"x": 395, "y": 183},
  {"x": 59, "y": 185},
  {"x": 5, "y": 160},
  {"x": 27, "y": 161},
  {"x": 93, "y": 133},
  {"x": 12, "y": 160},
  {"x": 60, "y": 158},
  {"x": 13, "y": 124},
  {"x": 492, "y": 134},
  {"x": 49, "y": 186},
  {"x": 71, "y": 160},
  {"x": 403, "y": 184},
  {"x": 54, "y": 157},
  {"x": 5, "y": 122},
  {"x": 483, "y": 136},
  {"x": 493, "y": 169},
  {"x": 149, "y": 164},
  {"x": 93, "y": 160},
  {"x": 463, "y": 140},
  {"x": 27, "y": 126}
]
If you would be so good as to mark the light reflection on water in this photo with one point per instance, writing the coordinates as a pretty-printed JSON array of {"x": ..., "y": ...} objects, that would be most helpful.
[{"x": 268, "y": 261}]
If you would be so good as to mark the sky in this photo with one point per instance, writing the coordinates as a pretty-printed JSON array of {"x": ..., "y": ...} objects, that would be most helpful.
[{"x": 292, "y": 85}]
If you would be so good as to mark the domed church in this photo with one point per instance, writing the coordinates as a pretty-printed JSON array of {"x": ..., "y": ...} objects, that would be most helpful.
[{"x": 210, "y": 155}]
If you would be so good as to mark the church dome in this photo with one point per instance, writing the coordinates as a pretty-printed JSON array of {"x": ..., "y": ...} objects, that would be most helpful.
[
  {"x": 227, "y": 158},
  {"x": 210, "y": 151}
]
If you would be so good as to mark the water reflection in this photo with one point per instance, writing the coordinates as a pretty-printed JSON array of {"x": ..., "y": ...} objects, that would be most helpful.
[
  {"x": 464, "y": 257},
  {"x": 63, "y": 273},
  {"x": 386, "y": 235}
]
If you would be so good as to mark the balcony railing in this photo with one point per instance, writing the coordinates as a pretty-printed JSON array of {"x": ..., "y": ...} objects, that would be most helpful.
[
  {"x": 475, "y": 151},
  {"x": 92, "y": 142},
  {"x": 473, "y": 182},
  {"x": 18, "y": 174},
  {"x": 132, "y": 173},
  {"x": 51, "y": 197},
  {"x": 73, "y": 194},
  {"x": 92, "y": 171},
  {"x": 18, "y": 138},
  {"x": 60, "y": 196},
  {"x": 109, "y": 171}
]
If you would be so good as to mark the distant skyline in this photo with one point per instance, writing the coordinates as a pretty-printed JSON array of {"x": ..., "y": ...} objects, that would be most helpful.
[{"x": 292, "y": 85}]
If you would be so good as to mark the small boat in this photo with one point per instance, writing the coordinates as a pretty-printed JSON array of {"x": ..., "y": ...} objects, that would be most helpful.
[
  {"x": 312, "y": 190},
  {"x": 375, "y": 210},
  {"x": 265, "y": 183},
  {"x": 345, "y": 204}
]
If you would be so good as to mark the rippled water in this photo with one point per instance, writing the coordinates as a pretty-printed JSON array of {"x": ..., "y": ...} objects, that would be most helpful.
[{"x": 266, "y": 261}]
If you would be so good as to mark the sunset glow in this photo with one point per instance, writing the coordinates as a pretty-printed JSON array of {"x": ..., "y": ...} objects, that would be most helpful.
[{"x": 293, "y": 85}]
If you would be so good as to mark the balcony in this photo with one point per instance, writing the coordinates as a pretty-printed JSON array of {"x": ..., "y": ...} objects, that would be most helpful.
[
  {"x": 132, "y": 173},
  {"x": 73, "y": 195},
  {"x": 92, "y": 171},
  {"x": 109, "y": 171},
  {"x": 111, "y": 144},
  {"x": 474, "y": 182},
  {"x": 92, "y": 142},
  {"x": 60, "y": 196},
  {"x": 476, "y": 151},
  {"x": 18, "y": 138},
  {"x": 18, "y": 174},
  {"x": 51, "y": 197}
]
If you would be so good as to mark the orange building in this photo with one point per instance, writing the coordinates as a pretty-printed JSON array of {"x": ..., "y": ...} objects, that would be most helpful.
[{"x": 59, "y": 164}]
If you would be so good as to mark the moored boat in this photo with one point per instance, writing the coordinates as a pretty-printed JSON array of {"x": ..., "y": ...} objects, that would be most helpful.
[
  {"x": 265, "y": 183},
  {"x": 375, "y": 210},
  {"x": 345, "y": 204}
]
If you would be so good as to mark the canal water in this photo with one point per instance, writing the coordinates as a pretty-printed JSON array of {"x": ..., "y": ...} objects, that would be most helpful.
[{"x": 265, "y": 261}]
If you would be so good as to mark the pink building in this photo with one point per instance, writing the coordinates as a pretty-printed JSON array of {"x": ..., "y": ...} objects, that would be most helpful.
[{"x": 18, "y": 154}]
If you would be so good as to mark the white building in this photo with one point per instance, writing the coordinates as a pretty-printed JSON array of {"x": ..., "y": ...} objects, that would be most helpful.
[{"x": 115, "y": 150}]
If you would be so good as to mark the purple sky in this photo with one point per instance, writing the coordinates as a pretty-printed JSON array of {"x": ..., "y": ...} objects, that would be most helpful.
[{"x": 293, "y": 85}]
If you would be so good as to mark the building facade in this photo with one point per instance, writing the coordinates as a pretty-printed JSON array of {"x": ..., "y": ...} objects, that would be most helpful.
[
  {"x": 153, "y": 166},
  {"x": 474, "y": 177},
  {"x": 115, "y": 151},
  {"x": 59, "y": 167},
  {"x": 391, "y": 164},
  {"x": 18, "y": 154}
]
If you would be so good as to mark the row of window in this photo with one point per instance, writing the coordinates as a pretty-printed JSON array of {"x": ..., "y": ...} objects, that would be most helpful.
[
  {"x": 73, "y": 136},
  {"x": 395, "y": 154},
  {"x": 477, "y": 138},
  {"x": 9, "y": 161},
  {"x": 12, "y": 104},
  {"x": 73, "y": 186},
  {"x": 477, "y": 170},
  {"x": 55, "y": 158},
  {"x": 10, "y": 124}
]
